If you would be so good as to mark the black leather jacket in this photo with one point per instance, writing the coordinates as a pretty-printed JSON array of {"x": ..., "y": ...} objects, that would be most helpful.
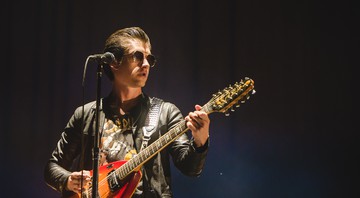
[{"x": 156, "y": 172}]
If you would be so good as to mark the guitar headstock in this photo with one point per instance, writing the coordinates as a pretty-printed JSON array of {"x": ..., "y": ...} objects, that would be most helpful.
[{"x": 230, "y": 96}]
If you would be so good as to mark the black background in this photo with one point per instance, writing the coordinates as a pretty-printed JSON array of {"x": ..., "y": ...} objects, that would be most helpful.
[{"x": 296, "y": 137}]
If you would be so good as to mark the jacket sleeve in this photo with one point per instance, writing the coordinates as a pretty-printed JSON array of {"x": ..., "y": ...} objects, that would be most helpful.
[
  {"x": 57, "y": 169},
  {"x": 186, "y": 157}
]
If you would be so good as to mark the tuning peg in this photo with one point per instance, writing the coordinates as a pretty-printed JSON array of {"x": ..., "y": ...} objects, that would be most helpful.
[
  {"x": 242, "y": 101},
  {"x": 229, "y": 97},
  {"x": 253, "y": 92},
  {"x": 232, "y": 109},
  {"x": 227, "y": 113},
  {"x": 247, "y": 78},
  {"x": 247, "y": 97},
  {"x": 237, "y": 105}
]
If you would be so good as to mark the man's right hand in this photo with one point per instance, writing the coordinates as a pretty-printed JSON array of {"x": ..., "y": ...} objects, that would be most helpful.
[{"x": 74, "y": 181}]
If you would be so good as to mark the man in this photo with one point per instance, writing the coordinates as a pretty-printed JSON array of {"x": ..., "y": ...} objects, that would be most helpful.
[{"x": 124, "y": 115}]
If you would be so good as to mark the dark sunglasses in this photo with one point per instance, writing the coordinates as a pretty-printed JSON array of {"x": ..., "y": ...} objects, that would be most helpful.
[{"x": 138, "y": 57}]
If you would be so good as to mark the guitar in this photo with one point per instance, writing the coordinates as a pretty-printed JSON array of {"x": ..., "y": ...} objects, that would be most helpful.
[{"x": 129, "y": 171}]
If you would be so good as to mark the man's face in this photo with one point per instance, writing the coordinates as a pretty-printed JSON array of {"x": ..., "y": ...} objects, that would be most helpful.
[{"x": 130, "y": 72}]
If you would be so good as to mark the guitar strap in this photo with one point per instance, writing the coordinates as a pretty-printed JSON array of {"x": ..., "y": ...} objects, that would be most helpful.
[{"x": 151, "y": 121}]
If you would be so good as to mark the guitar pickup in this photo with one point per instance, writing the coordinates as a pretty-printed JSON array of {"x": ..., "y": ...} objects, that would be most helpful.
[{"x": 113, "y": 182}]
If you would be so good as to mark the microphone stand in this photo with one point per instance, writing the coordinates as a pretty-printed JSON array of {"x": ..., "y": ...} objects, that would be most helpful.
[
  {"x": 101, "y": 59},
  {"x": 96, "y": 136}
]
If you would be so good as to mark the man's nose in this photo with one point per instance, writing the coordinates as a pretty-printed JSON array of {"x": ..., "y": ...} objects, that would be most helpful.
[{"x": 145, "y": 63}]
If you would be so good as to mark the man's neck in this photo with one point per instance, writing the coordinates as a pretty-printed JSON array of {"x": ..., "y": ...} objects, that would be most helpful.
[{"x": 126, "y": 98}]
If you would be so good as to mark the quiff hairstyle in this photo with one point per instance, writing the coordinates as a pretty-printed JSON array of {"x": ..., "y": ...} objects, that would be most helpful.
[{"x": 119, "y": 43}]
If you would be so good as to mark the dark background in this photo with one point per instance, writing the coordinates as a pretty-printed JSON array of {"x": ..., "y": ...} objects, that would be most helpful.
[{"x": 295, "y": 137}]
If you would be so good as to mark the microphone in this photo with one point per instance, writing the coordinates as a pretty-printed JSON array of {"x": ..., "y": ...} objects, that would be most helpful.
[{"x": 106, "y": 58}]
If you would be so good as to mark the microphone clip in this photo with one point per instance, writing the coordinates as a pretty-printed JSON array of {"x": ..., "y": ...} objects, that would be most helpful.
[{"x": 106, "y": 58}]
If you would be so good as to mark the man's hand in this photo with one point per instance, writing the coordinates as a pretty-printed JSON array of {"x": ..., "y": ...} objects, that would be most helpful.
[
  {"x": 198, "y": 122},
  {"x": 74, "y": 181}
]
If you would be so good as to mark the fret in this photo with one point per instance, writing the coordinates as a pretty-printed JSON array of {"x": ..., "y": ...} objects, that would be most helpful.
[
  {"x": 163, "y": 142},
  {"x": 124, "y": 169},
  {"x": 183, "y": 126},
  {"x": 205, "y": 108},
  {"x": 158, "y": 143},
  {"x": 120, "y": 173},
  {"x": 131, "y": 165},
  {"x": 176, "y": 132},
  {"x": 123, "y": 173},
  {"x": 136, "y": 158},
  {"x": 142, "y": 157},
  {"x": 127, "y": 168},
  {"x": 172, "y": 133},
  {"x": 147, "y": 153},
  {"x": 152, "y": 149},
  {"x": 178, "y": 128},
  {"x": 170, "y": 136}
]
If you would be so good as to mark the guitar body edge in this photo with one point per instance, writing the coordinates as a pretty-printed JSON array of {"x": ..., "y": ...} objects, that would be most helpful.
[{"x": 126, "y": 190}]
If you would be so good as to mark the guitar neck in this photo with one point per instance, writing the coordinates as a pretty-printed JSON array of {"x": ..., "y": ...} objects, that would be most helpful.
[{"x": 147, "y": 153}]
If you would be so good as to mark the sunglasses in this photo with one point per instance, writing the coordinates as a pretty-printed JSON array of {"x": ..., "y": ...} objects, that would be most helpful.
[{"x": 138, "y": 57}]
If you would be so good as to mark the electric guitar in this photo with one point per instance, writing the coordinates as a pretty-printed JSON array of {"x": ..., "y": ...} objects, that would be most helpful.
[{"x": 129, "y": 172}]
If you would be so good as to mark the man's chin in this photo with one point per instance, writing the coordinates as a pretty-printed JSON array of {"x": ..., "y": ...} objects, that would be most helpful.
[{"x": 140, "y": 84}]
